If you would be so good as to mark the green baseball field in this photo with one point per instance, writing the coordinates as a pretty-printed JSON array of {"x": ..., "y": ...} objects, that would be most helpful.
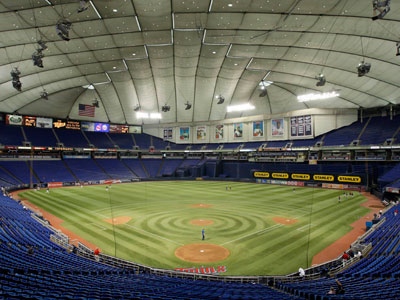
[{"x": 250, "y": 229}]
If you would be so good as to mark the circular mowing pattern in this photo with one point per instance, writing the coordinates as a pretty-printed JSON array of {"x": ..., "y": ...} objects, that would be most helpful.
[
  {"x": 176, "y": 225},
  {"x": 202, "y": 253},
  {"x": 201, "y": 222},
  {"x": 201, "y": 205}
]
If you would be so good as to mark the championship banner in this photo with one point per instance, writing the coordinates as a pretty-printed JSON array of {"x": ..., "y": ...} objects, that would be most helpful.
[
  {"x": 167, "y": 133},
  {"x": 301, "y": 126}
]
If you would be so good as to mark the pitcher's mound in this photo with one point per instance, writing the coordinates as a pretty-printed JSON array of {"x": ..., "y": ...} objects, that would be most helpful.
[
  {"x": 118, "y": 220},
  {"x": 201, "y": 205},
  {"x": 201, "y": 253},
  {"x": 284, "y": 221}
]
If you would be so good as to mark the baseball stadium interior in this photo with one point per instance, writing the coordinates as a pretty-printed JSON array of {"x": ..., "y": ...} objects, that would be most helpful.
[{"x": 293, "y": 92}]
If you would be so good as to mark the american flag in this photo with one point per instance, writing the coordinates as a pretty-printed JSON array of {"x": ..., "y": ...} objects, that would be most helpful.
[{"x": 86, "y": 110}]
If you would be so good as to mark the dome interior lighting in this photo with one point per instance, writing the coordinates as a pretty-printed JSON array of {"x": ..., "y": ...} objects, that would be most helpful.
[{"x": 317, "y": 96}]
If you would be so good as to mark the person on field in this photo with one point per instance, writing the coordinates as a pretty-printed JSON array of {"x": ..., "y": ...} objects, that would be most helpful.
[{"x": 203, "y": 234}]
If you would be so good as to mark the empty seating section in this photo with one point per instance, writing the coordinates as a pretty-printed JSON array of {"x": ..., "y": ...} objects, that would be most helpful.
[
  {"x": 143, "y": 141},
  {"x": 189, "y": 162},
  {"x": 276, "y": 144},
  {"x": 152, "y": 166},
  {"x": 390, "y": 176},
  {"x": 52, "y": 171},
  {"x": 304, "y": 143},
  {"x": 11, "y": 135},
  {"x": 198, "y": 146},
  {"x": 7, "y": 178},
  {"x": 85, "y": 169},
  {"x": 115, "y": 168},
  {"x": 136, "y": 166},
  {"x": 379, "y": 129},
  {"x": 158, "y": 143},
  {"x": 123, "y": 141},
  {"x": 174, "y": 146},
  {"x": 72, "y": 138},
  {"x": 99, "y": 140},
  {"x": 20, "y": 170},
  {"x": 40, "y": 137},
  {"x": 232, "y": 145},
  {"x": 169, "y": 166},
  {"x": 344, "y": 136}
]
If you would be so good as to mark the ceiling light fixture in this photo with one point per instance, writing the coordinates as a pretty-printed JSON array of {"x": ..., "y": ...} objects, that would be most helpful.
[
  {"x": 142, "y": 115},
  {"x": 188, "y": 106},
  {"x": 88, "y": 86},
  {"x": 155, "y": 116},
  {"x": 37, "y": 58},
  {"x": 44, "y": 95},
  {"x": 165, "y": 108},
  {"x": 137, "y": 107},
  {"x": 321, "y": 80},
  {"x": 220, "y": 98},
  {"x": 318, "y": 96},
  {"x": 62, "y": 29},
  {"x": 263, "y": 87},
  {"x": 264, "y": 83},
  {"x": 83, "y": 5},
  {"x": 363, "y": 68},
  {"x": 96, "y": 103},
  {"x": 240, "y": 107},
  {"x": 15, "y": 79}
]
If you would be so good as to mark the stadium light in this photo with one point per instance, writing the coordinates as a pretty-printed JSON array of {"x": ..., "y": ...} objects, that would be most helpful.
[
  {"x": 145, "y": 115},
  {"x": 319, "y": 96},
  {"x": 240, "y": 107}
]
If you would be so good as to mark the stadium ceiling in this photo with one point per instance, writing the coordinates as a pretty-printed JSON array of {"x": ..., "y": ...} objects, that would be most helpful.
[{"x": 144, "y": 54}]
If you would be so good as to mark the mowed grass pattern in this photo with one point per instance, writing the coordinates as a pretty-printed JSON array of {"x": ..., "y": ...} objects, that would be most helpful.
[{"x": 161, "y": 213}]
